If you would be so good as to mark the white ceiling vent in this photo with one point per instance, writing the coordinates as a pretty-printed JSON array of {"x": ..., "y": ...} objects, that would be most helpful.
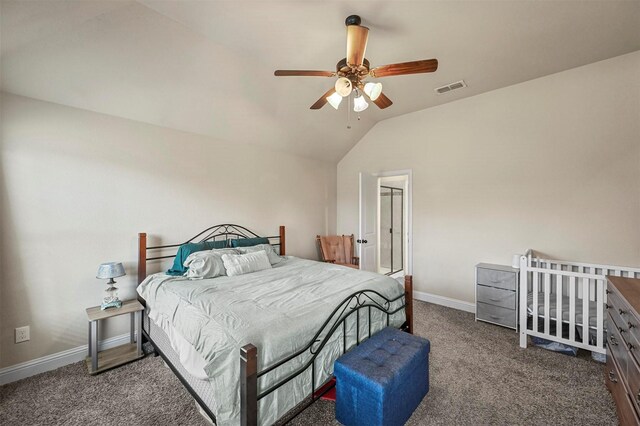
[{"x": 449, "y": 87}]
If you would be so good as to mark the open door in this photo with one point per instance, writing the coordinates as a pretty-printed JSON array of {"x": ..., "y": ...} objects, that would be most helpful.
[{"x": 368, "y": 232}]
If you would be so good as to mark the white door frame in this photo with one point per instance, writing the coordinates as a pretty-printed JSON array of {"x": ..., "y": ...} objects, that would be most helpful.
[{"x": 409, "y": 174}]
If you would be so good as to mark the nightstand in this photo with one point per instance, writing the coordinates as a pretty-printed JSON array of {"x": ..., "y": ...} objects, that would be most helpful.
[
  {"x": 97, "y": 362},
  {"x": 497, "y": 294}
]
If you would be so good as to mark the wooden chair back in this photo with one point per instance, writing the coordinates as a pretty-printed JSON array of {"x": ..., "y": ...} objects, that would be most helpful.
[{"x": 337, "y": 249}]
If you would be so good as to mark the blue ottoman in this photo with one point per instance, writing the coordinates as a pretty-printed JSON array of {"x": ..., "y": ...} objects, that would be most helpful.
[{"x": 382, "y": 381}]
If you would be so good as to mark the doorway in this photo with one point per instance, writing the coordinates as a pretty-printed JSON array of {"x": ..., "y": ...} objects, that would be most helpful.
[
  {"x": 378, "y": 236},
  {"x": 391, "y": 229},
  {"x": 393, "y": 217}
]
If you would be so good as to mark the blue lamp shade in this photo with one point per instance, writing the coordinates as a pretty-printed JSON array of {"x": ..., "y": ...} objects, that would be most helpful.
[{"x": 110, "y": 270}]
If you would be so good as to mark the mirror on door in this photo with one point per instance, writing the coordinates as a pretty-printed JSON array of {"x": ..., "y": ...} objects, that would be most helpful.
[{"x": 391, "y": 231}]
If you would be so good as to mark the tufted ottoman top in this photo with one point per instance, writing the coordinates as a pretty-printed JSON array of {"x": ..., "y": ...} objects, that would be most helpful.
[{"x": 381, "y": 358}]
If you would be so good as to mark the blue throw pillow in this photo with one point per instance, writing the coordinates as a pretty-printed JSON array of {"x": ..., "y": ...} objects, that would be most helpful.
[
  {"x": 248, "y": 242},
  {"x": 185, "y": 250}
]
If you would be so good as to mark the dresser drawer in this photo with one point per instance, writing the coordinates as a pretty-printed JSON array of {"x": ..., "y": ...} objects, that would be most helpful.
[
  {"x": 633, "y": 382},
  {"x": 495, "y": 278},
  {"x": 633, "y": 344},
  {"x": 626, "y": 412},
  {"x": 633, "y": 326},
  {"x": 496, "y": 296},
  {"x": 496, "y": 314},
  {"x": 617, "y": 309},
  {"x": 617, "y": 348}
]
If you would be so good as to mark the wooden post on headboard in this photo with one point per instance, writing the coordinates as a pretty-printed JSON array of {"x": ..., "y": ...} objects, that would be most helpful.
[
  {"x": 282, "y": 241},
  {"x": 408, "y": 301},
  {"x": 142, "y": 256}
]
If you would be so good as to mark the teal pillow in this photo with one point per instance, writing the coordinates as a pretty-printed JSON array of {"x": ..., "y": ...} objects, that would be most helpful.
[
  {"x": 185, "y": 250},
  {"x": 248, "y": 242}
]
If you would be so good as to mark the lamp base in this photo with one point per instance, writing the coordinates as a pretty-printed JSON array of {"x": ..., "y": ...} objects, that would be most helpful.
[{"x": 113, "y": 304}]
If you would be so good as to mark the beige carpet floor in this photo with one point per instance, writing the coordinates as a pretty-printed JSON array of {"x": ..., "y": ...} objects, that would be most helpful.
[{"x": 479, "y": 376}]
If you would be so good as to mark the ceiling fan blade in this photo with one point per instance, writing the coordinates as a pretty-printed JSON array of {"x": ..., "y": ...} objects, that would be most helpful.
[
  {"x": 383, "y": 102},
  {"x": 323, "y": 99},
  {"x": 414, "y": 67},
  {"x": 356, "y": 44},
  {"x": 299, "y": 73}
]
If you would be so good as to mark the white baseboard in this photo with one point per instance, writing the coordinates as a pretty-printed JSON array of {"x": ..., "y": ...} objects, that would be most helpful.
[
  {"x": 445, "y": 301},
  {"x": 57, "y": 360}
]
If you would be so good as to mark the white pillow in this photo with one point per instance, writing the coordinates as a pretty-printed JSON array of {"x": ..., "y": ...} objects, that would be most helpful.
[
  {"x": 239, "y": 264},
  {"x": 206, "y": 264},
  {"x": 274, "y": 258}
]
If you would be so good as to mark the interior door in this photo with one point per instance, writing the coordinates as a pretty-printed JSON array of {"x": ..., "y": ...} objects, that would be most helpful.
[{"x": 368, "y": 231}]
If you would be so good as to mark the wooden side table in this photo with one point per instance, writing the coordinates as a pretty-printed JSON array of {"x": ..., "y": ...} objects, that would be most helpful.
[{"x": 97, "y": 362}]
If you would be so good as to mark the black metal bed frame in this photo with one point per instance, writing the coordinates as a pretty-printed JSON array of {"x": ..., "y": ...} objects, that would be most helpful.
[
  {"x": 249, "y": 374},
  {"x": 353, "y": 304}
]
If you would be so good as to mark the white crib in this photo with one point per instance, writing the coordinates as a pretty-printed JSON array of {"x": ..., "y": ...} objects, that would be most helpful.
[{"x": 555, "y": 289}]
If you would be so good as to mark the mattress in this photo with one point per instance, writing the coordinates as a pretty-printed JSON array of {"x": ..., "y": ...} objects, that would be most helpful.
[
  {"x": 566, "y": 304},
  {"x": 278, "y": 310},
  {"x": 201, "y": 386}
]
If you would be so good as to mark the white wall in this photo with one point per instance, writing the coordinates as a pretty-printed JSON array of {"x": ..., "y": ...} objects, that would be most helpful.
[
  {"x": 76, "y": 187},
  {"x": 552, "y": 164}
]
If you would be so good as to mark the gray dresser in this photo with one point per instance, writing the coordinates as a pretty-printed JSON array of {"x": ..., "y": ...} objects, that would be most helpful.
[{"x": 497, "y": 294}]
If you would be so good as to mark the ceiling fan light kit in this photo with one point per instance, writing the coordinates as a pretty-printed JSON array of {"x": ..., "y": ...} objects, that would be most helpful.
[
  {"x": 343, "y": 86},
  {"x": 360, "y": 104},
  {"x": 353, "y": 70},
  {"x": 373, "y": 90},
  {"x": 334, "y": 99}
]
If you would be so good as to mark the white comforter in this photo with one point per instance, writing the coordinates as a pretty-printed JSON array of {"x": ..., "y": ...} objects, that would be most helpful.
[{"x": 278, "y": 310}]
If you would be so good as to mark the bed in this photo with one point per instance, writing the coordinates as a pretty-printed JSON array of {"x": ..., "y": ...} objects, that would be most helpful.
[{"x": 259, "y": 348}]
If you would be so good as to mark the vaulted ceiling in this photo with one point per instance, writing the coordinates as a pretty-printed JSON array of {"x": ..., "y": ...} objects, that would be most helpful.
[{"x": 207, "y": 66}]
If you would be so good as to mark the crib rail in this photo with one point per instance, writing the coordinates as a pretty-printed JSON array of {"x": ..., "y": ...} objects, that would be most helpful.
[{"x": 565, "y": 301}]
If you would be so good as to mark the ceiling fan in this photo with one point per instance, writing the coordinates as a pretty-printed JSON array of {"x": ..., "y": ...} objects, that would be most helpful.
[{"x": 354, "y": 69}]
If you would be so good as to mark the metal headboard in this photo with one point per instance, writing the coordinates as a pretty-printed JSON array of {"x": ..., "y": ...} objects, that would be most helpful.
[{"x": 226, "y": 232}]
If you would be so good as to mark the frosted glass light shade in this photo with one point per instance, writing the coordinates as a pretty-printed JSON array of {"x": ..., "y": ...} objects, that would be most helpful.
[
  {"x": 343, "y": 86},
  {"x": 359, "y": 104},
  {"x": 110, "y": 270},
  {"x": 373, "y": 90},
  {"x": 334, "y": 100}
]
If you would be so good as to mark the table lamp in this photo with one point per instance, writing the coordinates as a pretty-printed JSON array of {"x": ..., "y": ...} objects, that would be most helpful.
[{"x": 110, "y": 271}]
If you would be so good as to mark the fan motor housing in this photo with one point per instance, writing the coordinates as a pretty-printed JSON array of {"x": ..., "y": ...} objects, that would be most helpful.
[{"x": 344, "y": 70}]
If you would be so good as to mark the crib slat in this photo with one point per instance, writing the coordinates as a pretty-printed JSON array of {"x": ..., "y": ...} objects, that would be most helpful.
[
  {"x": 572, "y": 308},
  {"x": 593, "y": 284},
  {"x": 547, "y": 293},
  {"x": 600, "y": 312},
  {"x": 559, "y": 305},
  {"x": 535, "y": 301},
  {"x": 585, "y": 310}
]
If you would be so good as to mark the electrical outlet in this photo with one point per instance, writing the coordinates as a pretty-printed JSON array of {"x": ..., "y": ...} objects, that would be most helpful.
[{"x": 22, "y": 334}]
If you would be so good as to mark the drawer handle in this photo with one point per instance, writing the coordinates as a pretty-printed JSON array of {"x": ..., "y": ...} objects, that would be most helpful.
[
  {"x": 612, "y": 377},
  {"x": 613, "y": 340},
  {"x": 606, "y": 306},
  {"x": 621, "y": 330},
  {"x": 607, "y": 291},
  {"x": 495, "y": 317},
  {"x": 622, "y": 311},
  {"x": 630, "y": 325},
  {"x": 497, "y": 300},
  {"x": 630, "y": 346}
]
